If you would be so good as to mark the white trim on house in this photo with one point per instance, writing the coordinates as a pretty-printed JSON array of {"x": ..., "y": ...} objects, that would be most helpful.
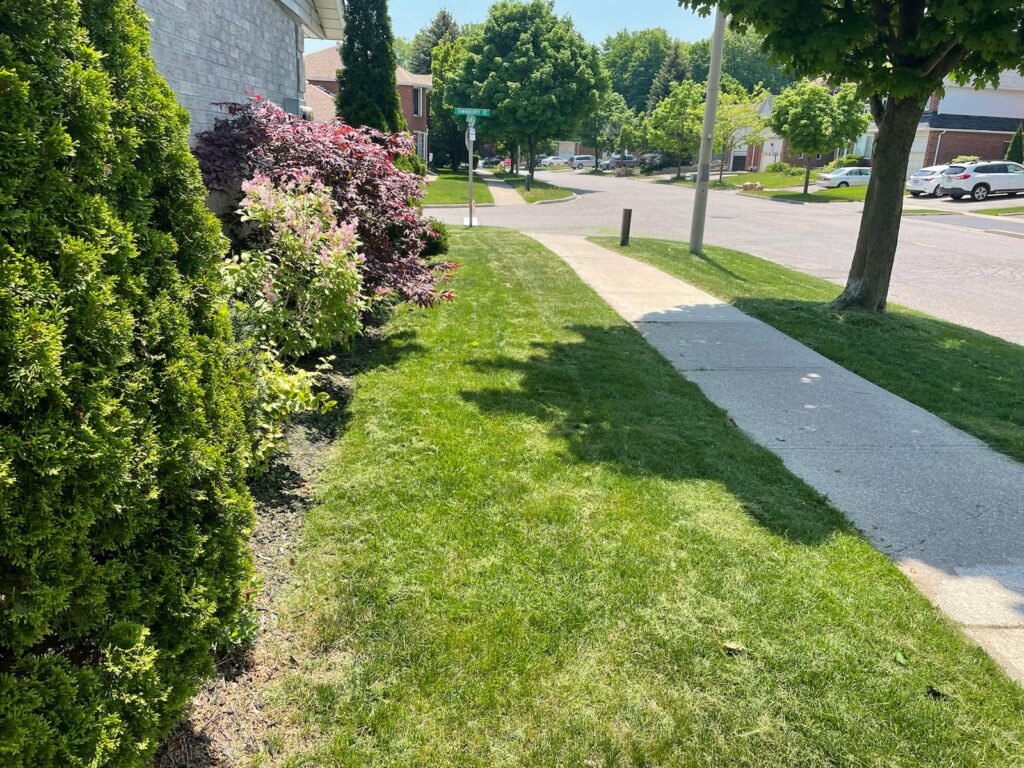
[{"x": 322, "y": 19}]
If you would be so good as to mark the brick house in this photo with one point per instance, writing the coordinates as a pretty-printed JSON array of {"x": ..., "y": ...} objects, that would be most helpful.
[
  {"x": 413, "y": 91},
  {"x": 213, "y": 52},
  {"x": 775, "y": 149}
]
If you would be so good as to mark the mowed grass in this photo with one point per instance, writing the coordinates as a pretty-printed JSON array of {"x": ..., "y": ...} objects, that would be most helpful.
[
  {"x": 452, "y": 188},
  {"x": 767, "y": 180},
  {"x": 970, "y": 379},
  {"x": 1012, "y": 211},
  {"x": 539, "y": 190},
  {"x": 538, "y": 545},
  {"x": 816, "y": 195}
]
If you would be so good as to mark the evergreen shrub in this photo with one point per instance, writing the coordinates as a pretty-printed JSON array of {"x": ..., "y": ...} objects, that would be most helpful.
[
  {"x": 778, "y": 167},
  {"x": 125, "y": 405}
]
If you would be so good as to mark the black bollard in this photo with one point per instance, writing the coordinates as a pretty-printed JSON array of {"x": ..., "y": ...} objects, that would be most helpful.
[{"x": 627, "y": 221}]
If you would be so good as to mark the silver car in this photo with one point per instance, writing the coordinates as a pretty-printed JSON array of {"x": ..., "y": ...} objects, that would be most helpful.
[
  {"x": 844, "y": 177},
  {"x": 927, "y": 181}
]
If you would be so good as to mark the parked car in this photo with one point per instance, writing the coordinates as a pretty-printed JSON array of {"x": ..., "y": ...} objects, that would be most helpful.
[
  {"x": 491, "y": 162},
  {"x": 979, "y": 180},
  {"x": 844, "y": 177},
  {"x": 583, "y": 161},
  {"x": 553, "y": 162},
  {"x": 618, "y": 161},
  {"x": 652, "y": 159},
  {"x": 927, "y": 181}
]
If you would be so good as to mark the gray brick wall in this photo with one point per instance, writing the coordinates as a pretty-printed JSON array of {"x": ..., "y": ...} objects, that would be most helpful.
[{"x": 215, "y": 50}]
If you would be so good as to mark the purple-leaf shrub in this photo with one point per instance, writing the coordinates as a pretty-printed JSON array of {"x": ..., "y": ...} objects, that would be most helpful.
[{"x": 357, "y": 164}]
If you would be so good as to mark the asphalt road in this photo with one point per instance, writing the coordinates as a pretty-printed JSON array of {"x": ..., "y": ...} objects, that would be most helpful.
[{"x": 965, "y": 269}]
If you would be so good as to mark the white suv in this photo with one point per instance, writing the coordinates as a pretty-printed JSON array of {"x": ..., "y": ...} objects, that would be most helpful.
[
  {"x": 979, "y": 180},
  {"x": 583, "y": 161}
]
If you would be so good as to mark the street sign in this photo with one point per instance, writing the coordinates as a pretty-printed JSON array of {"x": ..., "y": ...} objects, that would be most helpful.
[
  {"x": 472, "y": 134},
  {"x": 472, "y": 111},
  {"x": 471, "y": 120}
]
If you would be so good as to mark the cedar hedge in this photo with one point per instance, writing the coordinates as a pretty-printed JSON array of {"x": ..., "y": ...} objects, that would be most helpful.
[{"x": 125, "y": 406}]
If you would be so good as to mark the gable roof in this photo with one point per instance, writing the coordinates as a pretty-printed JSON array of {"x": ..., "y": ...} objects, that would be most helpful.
[
  {"x": 324, "y": 65},
  {"x": 321, "y": 103}
]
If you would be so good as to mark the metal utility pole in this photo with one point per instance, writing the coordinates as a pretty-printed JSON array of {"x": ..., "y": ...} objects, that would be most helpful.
[
  {"x": 700, "y": 203},
  {"x": 470, "y": 140}
]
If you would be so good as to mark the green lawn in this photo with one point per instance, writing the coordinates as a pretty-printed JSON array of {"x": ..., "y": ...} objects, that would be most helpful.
[
  {"x": 451, "y": 188},
  {"x": 816, "y": 195},
  {"x": 1001, "y": 211},
  {"x": 538, "y": 545},
  {"x": 966, "y": 377},
  {"x": 768, "y": 180},
  {"x": 539, "y": 190}
]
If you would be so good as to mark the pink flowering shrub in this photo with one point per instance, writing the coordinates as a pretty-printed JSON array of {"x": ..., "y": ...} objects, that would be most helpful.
[
  {"x": 357, "y": 164},
  {"x": 297, "y": 289}
]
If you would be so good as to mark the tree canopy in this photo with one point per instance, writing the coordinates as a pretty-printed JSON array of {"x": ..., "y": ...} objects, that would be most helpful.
[
  {"x": 633, "y": 60},
  {"x": 675, "y": 124},
  {"x": 745, "y": 58},
  {"x": 604, "y": 126},
  {"x": 449, "y": 58},
  {"x": 367, "y": 90},
  {"x": 442, "y": 27},
  {"x": 899, "y": 52},
  {"x": 737, "y": 121},
  {"x": 534, "y": 70},
  {"x": 815, "y": 121}
]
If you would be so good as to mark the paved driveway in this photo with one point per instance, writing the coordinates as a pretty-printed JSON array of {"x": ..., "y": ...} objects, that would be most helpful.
[{"x": 965, "y": 269}]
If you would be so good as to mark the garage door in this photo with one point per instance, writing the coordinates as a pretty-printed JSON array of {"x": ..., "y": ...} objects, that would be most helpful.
[{"x": 917, "y": 154}]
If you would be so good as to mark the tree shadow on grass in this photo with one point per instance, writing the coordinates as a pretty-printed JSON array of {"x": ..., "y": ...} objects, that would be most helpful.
[
  {"x": 966, "y": 377},
  {"x": 617, "y": 402}
]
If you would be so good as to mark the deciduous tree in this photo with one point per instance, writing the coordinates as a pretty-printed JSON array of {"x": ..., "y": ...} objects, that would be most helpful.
[
  {"x": 737, "y": 121},
  {"x": 367, "y": 90},
  {"x": 442, "y": 27},
  {"x": 633, "y": 60},
  {"x": 449, "y": 58},
  {"x": 675, "y": 124},
  {"x": 745, "y": 58},
  {"x": 534, "y": 70},
  {"x": 899, "y": 52},
  {"x": 603, "y": 127},
  {"x": 815, "y": 121}
]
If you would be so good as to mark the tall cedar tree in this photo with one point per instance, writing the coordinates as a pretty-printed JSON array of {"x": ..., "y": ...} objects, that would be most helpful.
[
  {"x": 1015, "y": 151},
  {"x": 674, "y": 69},
  {"x": 367, "y": 90},
  {"x": 899, "y": 52},
  {"x": 441, "y": 29},
  {"x": 124, "y": 511}
]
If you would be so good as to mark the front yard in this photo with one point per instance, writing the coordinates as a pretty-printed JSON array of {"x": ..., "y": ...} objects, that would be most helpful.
[
  {"x": 538, "y": 545},
  {"x": 540, "y": 191},
  {"x": 452, "y": 188}
]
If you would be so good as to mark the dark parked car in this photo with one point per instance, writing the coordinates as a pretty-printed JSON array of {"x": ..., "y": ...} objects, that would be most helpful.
[
  {"x": 491, "y": 162},
  {"x": 618, "y": 161}
]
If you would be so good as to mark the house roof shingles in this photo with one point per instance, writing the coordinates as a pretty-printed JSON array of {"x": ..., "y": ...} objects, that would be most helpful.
[
  {"x": 324, "y": 65},
  {"x": 940, "y": 122},
  {"x": 321, "y": 102}
]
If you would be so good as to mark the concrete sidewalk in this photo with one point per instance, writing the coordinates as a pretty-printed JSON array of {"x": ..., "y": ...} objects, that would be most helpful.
[
  {"x": 943, "y": 505},
  {"x": 504, "y": 195}
]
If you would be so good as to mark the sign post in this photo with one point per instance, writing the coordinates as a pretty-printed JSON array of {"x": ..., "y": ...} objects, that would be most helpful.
[{"x": 471, "y": 114}]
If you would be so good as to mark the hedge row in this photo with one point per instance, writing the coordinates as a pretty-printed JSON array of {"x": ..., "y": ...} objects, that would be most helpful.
[{"x": 124, "y": 422}]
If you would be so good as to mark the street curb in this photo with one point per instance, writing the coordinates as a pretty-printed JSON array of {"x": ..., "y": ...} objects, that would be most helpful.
[
  {"x": 458, "y": 205},
  {"x": 574, "y": 196}
]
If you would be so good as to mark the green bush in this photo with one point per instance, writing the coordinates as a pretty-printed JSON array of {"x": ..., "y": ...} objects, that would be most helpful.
[
  {"x": 964, "y": 159},
  {"x": 777, "y": 167},
  {"x": 125, "y": 405},
  {"x": 411, "y": 163},
  {"x": 846, "y": 161},
  {"x": 438, "y": 240}
]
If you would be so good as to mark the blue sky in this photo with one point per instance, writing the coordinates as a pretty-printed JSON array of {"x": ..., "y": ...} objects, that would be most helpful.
[{"x": 594, "y": 18}]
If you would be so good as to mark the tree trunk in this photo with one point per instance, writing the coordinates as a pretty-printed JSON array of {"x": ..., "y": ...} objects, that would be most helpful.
[
  {"x": 807, "y": 173},
  {"x": 531, "y": 145},
  {"x": 721, "y": 168},
  {"x": 867, "y": 286}
]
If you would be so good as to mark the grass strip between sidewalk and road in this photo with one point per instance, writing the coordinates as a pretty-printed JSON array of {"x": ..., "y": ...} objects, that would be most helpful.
[
  {"x": 966, "y": 377},
  {"x": 539, "y": 190},
  {"x": 451, "y": 188},
  {"x": 767, "y": 180},
  {"x": 1014, "y": 211},
  {"x": 538, "y": 545},
  {"x": 843, "y": 195}
]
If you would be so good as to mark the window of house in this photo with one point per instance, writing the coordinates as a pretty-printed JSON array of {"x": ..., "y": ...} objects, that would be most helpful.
[{"x": 417, "y": 102}]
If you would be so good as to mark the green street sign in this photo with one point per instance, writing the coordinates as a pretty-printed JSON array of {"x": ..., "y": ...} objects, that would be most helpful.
[{"x": 472, "y": 111}]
